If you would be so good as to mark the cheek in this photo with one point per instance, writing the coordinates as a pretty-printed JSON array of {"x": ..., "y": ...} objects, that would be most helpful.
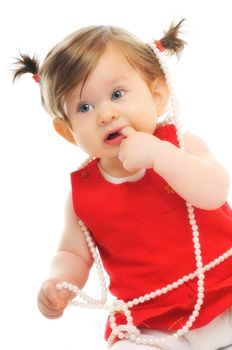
[
  {"x": 81, "y": 139},
  {"x": 86, "y": 142},
  {"x": 147, "y": 120}
]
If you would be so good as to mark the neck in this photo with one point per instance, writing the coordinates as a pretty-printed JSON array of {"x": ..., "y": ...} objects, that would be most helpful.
[{"x": 114, "y": 167}]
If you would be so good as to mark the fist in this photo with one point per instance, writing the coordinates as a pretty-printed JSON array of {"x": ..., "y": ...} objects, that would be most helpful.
[
  {"x": 137, "y": 150},
  {"x": 52, "y": 302}
]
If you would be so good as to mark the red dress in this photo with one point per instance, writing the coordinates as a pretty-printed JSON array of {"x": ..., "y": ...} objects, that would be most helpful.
[{"x": 144, "y": 238}]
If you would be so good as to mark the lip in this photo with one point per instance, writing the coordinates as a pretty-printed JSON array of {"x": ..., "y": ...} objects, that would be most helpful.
[
  {"x": 112, "y": 131},
  {"x": 115, "y": 140}
]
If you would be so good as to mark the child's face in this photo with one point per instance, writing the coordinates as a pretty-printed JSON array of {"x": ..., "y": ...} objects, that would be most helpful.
[{"x": 114, "y": 95}]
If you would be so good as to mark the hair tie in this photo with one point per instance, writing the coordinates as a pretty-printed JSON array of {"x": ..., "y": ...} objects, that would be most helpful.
[
  {"x": 159, "y": 46},
  {"x": 36, "y": 77}
]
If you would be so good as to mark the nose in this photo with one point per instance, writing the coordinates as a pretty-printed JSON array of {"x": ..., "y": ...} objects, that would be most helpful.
[{"x": 107, "y": 115}]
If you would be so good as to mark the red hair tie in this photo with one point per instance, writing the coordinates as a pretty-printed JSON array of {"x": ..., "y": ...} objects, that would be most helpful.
[
  {"x": 36, "y": 78},
  {"x": 159, "y": 46}
]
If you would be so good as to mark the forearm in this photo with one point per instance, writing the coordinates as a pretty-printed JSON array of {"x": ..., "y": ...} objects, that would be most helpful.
[
  {"x": 67, "y": 266},
  {"x": 200, "y": 182}
]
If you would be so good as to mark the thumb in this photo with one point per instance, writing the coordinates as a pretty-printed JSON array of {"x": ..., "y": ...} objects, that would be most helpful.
[{"x": 128, "y": 130}]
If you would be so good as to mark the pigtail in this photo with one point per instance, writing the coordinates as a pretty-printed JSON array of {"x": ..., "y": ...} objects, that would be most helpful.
[
  {"x": 171, "y": 41},
  {"x": 26, "y": 64}
]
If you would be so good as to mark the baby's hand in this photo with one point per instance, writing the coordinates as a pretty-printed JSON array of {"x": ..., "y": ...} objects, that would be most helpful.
[
  {"x": 137, "y": 149},
  {"x": 52, "y": 302}
]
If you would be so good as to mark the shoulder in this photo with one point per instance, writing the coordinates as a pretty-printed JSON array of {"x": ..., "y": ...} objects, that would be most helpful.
[
  {"x": 196, "y": 145},
  {"x": 198, "y": 148},
  {"x": 193, "y": 143},
  {"x": 89, "y": 165}
]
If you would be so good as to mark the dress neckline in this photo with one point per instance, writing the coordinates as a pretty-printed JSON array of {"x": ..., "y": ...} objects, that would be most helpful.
[{"x": 119, "y": 180}]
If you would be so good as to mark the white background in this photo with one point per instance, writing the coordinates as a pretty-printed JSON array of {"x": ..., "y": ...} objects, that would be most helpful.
[{"x": 35, "y": 162}]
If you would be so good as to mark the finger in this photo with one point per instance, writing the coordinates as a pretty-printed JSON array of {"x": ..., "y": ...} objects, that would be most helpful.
[
  {"x": 51, "y": 293},
  {"x": 48, "y": 310},
  {"x": 51, "y": 309},
  {"x": 64, "y": 296},
  {"x": 128, "y": 130},
  {"x": 129, "y": 167}
]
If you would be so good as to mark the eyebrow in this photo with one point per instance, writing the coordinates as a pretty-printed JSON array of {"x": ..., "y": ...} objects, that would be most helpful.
[
  {"x": 112, "y": 82},
  {"x": 117, "y": 79}
]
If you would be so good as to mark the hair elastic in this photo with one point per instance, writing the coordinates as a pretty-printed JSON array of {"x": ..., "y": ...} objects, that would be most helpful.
[
  {"x": 36, "y": 77},
  {"x": 159, "y": 45}
]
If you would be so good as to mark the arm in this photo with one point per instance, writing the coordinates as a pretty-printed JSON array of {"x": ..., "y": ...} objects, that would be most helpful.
[
  {"x": 71, "y": 263},
  {"x": 194, "y": 173}
]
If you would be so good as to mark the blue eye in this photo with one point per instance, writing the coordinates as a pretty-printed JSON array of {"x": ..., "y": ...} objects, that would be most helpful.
[
  {"x": 117, "y": 94},
  {"x": 85, "y": 107}
]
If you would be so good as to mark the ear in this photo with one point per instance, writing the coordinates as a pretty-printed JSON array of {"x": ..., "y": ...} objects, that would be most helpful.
[
  {"x": 63, "y": 129},
  {"x": 160, "y": 92}
]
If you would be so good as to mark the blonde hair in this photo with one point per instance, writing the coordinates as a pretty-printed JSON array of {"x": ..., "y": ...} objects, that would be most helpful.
[{"x": 71, "y": 61}]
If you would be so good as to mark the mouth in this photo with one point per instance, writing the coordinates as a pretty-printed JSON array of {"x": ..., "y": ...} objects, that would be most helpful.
[{"x": 114, "y": 137}]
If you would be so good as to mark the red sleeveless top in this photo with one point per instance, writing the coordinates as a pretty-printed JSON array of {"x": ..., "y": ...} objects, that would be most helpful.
[{"x": 144, "y": 238}]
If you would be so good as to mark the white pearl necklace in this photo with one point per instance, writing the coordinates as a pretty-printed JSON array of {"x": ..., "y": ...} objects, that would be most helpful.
[{"x": 128, "y": 330}]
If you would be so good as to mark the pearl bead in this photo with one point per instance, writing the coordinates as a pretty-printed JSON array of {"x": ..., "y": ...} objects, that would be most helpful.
[
  {"x": 197, "y": 307},
  {"x": 189, "y": 324},
  {"x": 199, "y": 302},
  {"x": 212, "y": 264},
  {"x": 195, "y": 313},
  {"x": 199, "y": 264},
  {"x": 201, "y": 289},
  {"x": 147, "y": 297},
  {"x": 120, "y": 335},
  {"x": 192, "y": 318},
  {"x": 180, "y": 332},
  {"x": 138, "y": 340},
  {"x": 200, "y": 283},
  {"x": 175, "y": 285},
  {"x": 132, "y": 337},
  {"x": 201, "y": 276},
  {"x": 144, "y": 341},
  {"x": 191, "y": 276},
  {"x": 185, "y": 329}
]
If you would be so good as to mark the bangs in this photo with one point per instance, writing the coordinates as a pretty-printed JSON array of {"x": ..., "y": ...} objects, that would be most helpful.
[{"x": 70, "y": 63}]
